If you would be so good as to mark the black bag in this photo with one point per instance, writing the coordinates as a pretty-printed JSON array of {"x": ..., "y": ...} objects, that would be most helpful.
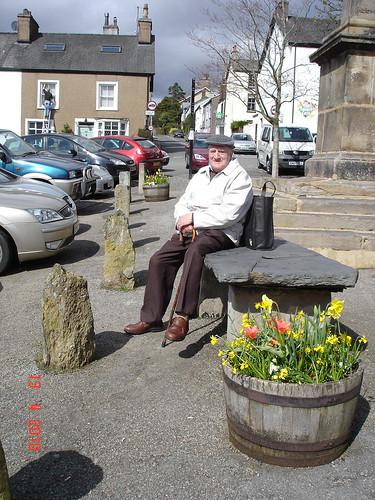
[{"x": 258, "y": 230}]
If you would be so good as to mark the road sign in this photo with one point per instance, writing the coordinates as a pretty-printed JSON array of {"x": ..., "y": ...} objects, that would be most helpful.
[
  {"x": 150, "y": 113},
  {"x": 151, "y": 128},
  {"x": 151, "y": 105}
]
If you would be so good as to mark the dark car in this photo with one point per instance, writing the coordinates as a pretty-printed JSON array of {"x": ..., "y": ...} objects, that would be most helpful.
[
  {"x": 200, "y": 152},
  {"x": 82, "y": 149},
  {"x": 179, "y": 134}
]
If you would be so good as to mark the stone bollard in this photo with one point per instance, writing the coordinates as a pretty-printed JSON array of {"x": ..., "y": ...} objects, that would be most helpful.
[
  {"x": 4, "y": 477},
  {"x": 68, "y": 323},
  {"x": 119, "y": 254},
  {"x": 141, "y": 177},
  {"x": 122, "y": 198}
]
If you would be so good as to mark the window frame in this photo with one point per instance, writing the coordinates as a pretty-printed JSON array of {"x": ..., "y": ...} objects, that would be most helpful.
[
  {"x": 115, "y": 96},
  {"x": 56, "y": 94},
  {"x": 29, "y": 130}
]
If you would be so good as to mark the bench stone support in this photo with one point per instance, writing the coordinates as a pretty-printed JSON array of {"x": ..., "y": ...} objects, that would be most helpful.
[{"x": 243, "y": 299}]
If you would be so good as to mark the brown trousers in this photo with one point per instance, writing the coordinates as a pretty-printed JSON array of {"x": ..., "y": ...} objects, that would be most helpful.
[{"x": 163, "y": 268}]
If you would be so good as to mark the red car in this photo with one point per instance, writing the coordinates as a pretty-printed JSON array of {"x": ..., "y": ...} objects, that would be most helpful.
[
  {"x": 138, "y": 148},
  {"x": 200, "y": 153}
]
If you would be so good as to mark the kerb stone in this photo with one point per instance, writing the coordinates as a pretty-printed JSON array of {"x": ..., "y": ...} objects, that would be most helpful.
[
  {"x": 68, "y": 323},
  {"x": 119, "y": 254}
]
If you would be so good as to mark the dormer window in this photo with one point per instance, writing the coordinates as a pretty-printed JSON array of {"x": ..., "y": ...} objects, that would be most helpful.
[
  {"x": 111, "y": 49},
  {"x": 54, "y": 47}
]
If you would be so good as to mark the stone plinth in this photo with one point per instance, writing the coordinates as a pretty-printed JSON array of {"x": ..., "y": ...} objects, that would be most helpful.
[{"x": 346, "y": 119}]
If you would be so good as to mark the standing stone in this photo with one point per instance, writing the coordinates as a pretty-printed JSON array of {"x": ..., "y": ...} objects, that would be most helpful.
[
  {"x": 122, "y": 198},
  {"x": 4, "y": 478},
  {"x": 68, "y": 323},
  {"x": 119, "y": 254},
  {"x": 346, "y": 132}
]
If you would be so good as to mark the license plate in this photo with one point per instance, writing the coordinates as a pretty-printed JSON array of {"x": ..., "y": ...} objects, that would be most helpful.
[
  {"x": 76, "y": 228},
  {"x": 296, "y": 163}
]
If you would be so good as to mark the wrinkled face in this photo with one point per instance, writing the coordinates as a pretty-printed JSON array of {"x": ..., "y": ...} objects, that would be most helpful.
[{"x": 219, "y": 157}]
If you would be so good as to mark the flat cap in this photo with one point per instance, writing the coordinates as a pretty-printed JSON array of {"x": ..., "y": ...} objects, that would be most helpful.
[{"x": 220, "y": 140}]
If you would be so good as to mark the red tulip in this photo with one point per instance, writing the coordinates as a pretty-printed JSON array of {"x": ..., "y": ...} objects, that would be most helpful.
[
  {"x": 251, "y": 332},
  {"x": 282, "y": 326}
]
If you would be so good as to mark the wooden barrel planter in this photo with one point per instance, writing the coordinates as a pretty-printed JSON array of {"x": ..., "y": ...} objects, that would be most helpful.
[
  {"x": 295, "y": 425},
  {"x": 158, "y": 192}
]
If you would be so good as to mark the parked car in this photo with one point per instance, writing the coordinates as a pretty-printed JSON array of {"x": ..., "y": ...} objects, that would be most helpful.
[
  {"x": 37, "y": 219},
  {"x": 21, "y": 158},
  {"x": 179, "y": 133},
  {"x": 141, "y": 150},
  {"x": 296, "y": 146},
  {"x": 84, "y": 150},
  {"x": 243, "y": 143},
  {"x": 200, "y": 152}
]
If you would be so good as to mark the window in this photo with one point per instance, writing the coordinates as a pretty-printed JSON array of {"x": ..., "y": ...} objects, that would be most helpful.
[
  {"x": 54, "y": 47},
  {"x": 266, "y": 134},
  {"x": 251, "y": 103},
  {"x": 111, "y": 49},
  {"x": 106, "y": 95},
  {"x": 34, "y": 126},
  {"x": 54, "y": 87},
  {"x": 113, "y": 127}
]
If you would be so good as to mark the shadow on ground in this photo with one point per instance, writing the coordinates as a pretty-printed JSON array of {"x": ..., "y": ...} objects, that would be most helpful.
[
  {"x": 145, "y": 241},
  {"x": 218, "y": 330},
  {"x": 56, "y": 475},
  {"x": 109, "y": 342},
  {"x": 140, "y": 278}
]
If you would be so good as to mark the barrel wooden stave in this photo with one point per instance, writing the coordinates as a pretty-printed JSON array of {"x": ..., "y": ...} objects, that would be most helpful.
[
  {"x": 266, "y": 422},
  {"x": 160, "y": 192}
]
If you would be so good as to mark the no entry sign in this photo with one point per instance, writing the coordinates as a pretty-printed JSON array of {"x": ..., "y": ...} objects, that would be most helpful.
[{"x": 151, "y": 105}]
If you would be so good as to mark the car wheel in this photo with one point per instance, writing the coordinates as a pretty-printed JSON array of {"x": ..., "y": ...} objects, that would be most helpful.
[
  {"x": 6, "y": 256},
  {"x": 187, "y": 162},
  {"x": 269, "y": 165}
]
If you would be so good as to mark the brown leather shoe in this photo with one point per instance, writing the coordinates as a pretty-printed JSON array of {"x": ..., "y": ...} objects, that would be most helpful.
[
  {"x": 143, "y": 327},
  {"x": 178, "y": 329}
]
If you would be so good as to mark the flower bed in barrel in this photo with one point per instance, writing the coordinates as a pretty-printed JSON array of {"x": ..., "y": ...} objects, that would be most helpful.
[
  {"x": 291, "y": 387},
  {"x": 156, "y": 187}
]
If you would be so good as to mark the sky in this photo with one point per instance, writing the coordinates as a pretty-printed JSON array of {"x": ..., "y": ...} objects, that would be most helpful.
[{"x": 177, "y": 59}]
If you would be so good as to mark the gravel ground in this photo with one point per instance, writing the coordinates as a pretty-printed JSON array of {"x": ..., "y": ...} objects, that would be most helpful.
[{"x": 142, "y": 422}]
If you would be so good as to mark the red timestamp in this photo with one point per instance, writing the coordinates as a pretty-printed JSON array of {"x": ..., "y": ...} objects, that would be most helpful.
[{"x": 34, "y": 425}]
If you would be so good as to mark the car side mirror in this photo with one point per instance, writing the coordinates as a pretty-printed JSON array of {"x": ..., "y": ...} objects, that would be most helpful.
[
  {"x": 3, "y": 156},
  {"x": 73, "y": 152}
]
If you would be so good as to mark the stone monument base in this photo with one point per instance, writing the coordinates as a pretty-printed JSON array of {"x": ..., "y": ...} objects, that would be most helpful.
[{"x": 342, "y": 165}]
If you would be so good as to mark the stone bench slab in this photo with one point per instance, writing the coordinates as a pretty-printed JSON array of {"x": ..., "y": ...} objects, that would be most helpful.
[{"x": 286, "y": 265}]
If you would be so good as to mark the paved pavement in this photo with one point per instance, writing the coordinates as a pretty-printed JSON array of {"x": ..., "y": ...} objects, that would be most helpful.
[{"x": 142, "y": 422}]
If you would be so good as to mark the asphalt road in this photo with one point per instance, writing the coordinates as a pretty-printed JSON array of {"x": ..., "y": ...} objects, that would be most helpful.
[{"x": 142, "y": 422}]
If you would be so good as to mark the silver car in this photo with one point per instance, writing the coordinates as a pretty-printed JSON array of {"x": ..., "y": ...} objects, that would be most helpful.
[
  {"x": 36, "y": 219},
  {"x": 243, "y": 143}
]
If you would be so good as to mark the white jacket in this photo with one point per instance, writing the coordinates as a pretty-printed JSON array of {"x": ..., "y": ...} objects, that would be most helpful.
[{"x": 220, "y": 203}]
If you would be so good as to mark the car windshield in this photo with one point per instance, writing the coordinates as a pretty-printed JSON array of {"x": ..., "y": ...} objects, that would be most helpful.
[
  {"x": 200, "y": 143},
  {"x": 295, "y": 134},
  {"x": 242, "y": 137},
  {"x": 6, "y": 176},
  {"x": 15, "y": 145},
  {"x": 87, "y": 144}
]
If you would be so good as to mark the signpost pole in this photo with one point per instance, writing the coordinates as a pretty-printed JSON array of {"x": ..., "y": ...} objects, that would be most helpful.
[{"x": 192, "y": 128}]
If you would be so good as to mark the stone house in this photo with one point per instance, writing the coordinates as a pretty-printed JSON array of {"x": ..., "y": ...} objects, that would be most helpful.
[{"x": 100, "y": 83}]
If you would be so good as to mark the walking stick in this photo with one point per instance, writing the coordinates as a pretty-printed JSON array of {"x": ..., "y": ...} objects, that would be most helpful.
[{"x": 164, "y": 343}]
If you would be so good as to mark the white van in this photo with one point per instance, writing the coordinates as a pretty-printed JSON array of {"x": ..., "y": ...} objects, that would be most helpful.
[{"x": 296, "y": 146}]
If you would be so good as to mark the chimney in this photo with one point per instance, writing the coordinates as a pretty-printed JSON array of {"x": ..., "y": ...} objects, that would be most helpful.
[
  {"x": 28, "y": 28},
  {"x": 204, "y": 81},
  {"x": 110, "y": 29},
  {"x": 234, "y": 54},
  {"x": 282, "y": 9},
  {"x": 144, "y": 27}
]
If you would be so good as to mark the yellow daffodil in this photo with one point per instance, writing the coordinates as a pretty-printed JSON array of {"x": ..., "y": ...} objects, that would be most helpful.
[
  {"x": 362, "y": 340},
  {"x": 220, "y": 354},
  {"x": 319, "y": 361},
  {"x": 299, "y": 315},
  {"x": 234, "y": 371},
  {"x": 334, "y": 310},
  {"x": 266, "y": 303},
  {"x": 307, "y": 350},
  {"x": 332, "y": 339},
  {"x": 322, "y": 317},
  {"x": 231, "y": 354},
  {"x": 319, "y": 348},
  {"x": 213, "y": 340},
  {"x": 346, "y": 339},
  {"x": 244, "y": 366},
  {"x": 224, "y": 362},
  {"x": 283, "y": 373},
  {"x": 258, "y": 305}
]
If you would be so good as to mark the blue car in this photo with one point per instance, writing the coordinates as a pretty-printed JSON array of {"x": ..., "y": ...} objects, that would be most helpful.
[{"x": 20, "y": 158}]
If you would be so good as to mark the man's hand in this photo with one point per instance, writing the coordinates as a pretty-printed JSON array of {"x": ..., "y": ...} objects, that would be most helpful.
[
  {"x": 187, "y": 230},
  {"x": 183, "y": 221}
]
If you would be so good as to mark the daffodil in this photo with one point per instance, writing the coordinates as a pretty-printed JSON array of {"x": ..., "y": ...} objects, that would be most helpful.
[
  {"x": 334, "y": 310},
  {"x": 307, "y": 350},
  {"x": 319, "y": 361},
  {"x": 231, "y": 354},
  {"x": 234, "y": 371},
  {"x": 213, "y": 340},
  {"x": 346, "y": 339},
  {"x": 362, "y": 340},
  {"x": 332, "y": 339},
  {"x": 266, "y": 303},
  {"x": 283, "y": 373},
  {"x": 224, "y": 362},
  {"x": 220, "y": 354},
  {"x": 319, "y": 348}
]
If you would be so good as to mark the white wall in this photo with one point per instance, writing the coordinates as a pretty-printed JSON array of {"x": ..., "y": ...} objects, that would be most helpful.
[{"x": 10, "y": 100}]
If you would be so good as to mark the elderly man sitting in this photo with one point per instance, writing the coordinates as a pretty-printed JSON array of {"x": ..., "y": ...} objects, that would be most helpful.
[{"x": 209, "y": 217}]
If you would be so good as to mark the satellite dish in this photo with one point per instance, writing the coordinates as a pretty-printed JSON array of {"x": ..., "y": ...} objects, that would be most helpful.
[{"x": 14, "y": 25}]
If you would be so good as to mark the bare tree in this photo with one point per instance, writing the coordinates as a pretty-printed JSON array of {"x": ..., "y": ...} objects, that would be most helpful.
[
  {"x": 330, "y": 8},
  {"x": 260, "y": 32}
]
